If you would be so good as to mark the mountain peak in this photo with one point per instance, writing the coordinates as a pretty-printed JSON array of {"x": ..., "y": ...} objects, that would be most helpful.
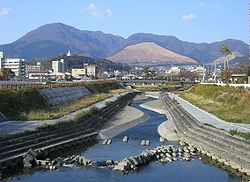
[{"x": 150, "y": 53}]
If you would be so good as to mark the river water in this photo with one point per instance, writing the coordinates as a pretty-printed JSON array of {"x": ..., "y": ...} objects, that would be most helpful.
[{"x": 178, "y": 171}]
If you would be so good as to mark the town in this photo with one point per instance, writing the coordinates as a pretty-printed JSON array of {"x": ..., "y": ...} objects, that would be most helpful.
[{"x": 19, "y": 69}]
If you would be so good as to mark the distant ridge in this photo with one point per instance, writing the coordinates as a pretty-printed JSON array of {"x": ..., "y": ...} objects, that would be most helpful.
[
  {"x": 230, "y": 58},
  {"x": 149, "y": 53},
  {"x": 56, "y": 39}
]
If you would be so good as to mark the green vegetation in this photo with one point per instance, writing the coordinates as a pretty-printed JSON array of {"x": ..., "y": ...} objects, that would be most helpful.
[
  {"x": 225, "y": 51},
  {"x": 57, "y": 111},
  {"x": 15, "y": 103},
  {"x": 229, "y": 104},
  {"x": 79, "y": 117},
  {"x": 240, "y": 134},
  {"x": 28, "y": 104},
  {"x": 75, "y": 61},
  {"x": 164, "y": 87},
  {"x": 83, "y": 115}
]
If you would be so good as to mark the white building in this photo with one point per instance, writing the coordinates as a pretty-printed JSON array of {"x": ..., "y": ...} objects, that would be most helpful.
[
  {"x": 199, "y": 70},
  {"x": 58, "y": 66},
  {"x": 91, "y": 70},
  {"x": 175, "y": 70},
  {"x": 1, "y": 59},
  {"x": 33, "y": 68},
  {"x": 38, "y": 75},
  {"x": 17, "y": 65},
  {"x": 69, "y": 54}
]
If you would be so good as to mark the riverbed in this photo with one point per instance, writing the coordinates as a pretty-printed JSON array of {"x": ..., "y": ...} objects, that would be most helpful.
[{"x": 187, "y": 171}]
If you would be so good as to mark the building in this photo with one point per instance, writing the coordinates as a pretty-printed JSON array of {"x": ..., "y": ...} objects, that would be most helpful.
[
  {"x": 17, "y": 65},
  {"x": 78, "y": 72},
  {"x": 1, "y": 58},
  {"x": 34, "y": 68},
  {"x": 58, "y": 66},
  {"x": 91, "y": 70},
  {"x": 69, "y": 54},
  {"x": 175, "y": 70},
  {"x": 200, "y": 70},
  {"x": 38, "y": 75}
]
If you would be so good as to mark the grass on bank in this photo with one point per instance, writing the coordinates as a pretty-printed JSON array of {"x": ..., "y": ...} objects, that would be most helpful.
[
  {"x": 240, "y": 134},
  {"x": 229, "y": 104},
  {"x": 57, "y": 111},
  {"x": 79, "y": 117},
  {"x": 29, "y": 105},
  {"x": 164, "y": 87}
]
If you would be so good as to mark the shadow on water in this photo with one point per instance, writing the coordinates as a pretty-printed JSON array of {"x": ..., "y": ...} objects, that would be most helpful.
[{"x": 195, "y": 170}]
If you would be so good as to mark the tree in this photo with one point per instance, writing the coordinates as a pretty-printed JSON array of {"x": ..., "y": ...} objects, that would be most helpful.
[
  {"x": 225, "y": 51},
  {"x": 9, "y": 73}
]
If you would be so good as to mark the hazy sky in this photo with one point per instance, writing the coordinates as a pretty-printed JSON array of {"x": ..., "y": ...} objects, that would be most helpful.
[{"x": 190, "y": 20}]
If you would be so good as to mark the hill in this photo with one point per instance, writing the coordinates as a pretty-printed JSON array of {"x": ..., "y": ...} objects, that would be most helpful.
[
  {"x": 233, "y": 58},
  {"x": 149, "y": 53},
  {"x": 55, "y": 39},
  {"x": 75, "y": 61}
]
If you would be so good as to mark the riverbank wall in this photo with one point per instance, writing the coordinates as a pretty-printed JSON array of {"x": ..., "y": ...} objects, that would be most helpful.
[
  {"x": 15, "y": 102},
  {"x": 233, "y": 153},
  {"x": 59, "y": 137}
]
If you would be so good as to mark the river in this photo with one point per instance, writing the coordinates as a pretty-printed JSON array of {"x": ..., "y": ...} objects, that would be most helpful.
[{"x": 178, "y": 171}]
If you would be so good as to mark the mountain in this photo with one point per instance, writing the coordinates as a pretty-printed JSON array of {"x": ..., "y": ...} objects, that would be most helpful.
[
  {"x": 229, "y": 58},
  {"x": 56, "y": 39},
  {"x": 202, "y": 52},
  {"x": 149, "y": 53}
]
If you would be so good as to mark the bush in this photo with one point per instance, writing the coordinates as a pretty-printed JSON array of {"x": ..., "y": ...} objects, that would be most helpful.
[
  {"x": 15, "y": 102},
  {"x": 233, "y": 132},
  {"x": 84, "y": 115}
]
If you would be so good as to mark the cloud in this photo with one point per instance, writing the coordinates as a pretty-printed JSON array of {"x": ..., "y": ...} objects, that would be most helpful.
[
  {"x": 4, "y": 11},
  {"x": 108, "y": 12},
  {"x": 93, "y": 10},
  {"x": 97, "y": 12},
  {"x": 188, "y": 17}
]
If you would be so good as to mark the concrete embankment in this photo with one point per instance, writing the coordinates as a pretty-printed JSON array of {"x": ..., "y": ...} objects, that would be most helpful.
[
  {"x": 128, "y": 118},
  {"x": 52, "y": 139},
  {"x": 15, "y": 104},
  {"x": 231, "y": 152},
  {"x": 64, "y": 94}
]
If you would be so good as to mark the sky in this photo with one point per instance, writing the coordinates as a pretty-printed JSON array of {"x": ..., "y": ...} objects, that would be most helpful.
[{"x": 188, "y": 20}]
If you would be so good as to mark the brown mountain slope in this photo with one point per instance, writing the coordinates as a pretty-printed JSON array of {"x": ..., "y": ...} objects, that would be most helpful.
[
  {"x": 149, "y": 53},
  {"x": 230, "y": 57}
]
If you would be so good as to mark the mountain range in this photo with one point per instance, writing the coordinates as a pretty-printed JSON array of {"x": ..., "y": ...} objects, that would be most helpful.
[{"x": 55, "y": 39}]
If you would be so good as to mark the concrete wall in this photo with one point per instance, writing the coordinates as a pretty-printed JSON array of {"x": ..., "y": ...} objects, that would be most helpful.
[
  {"x": 64, "y": 94},
  {"x": 52, "y": 139},
  {"x": 215, "y": 143}
]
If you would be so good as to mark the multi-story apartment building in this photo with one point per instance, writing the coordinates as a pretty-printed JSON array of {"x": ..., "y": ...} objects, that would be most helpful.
[
  {"x": 1, "y": 59},
  {"x": 34, "y": 68},
  {"x": 58, "y": 66},
  {"x": 17, "y": 65}
]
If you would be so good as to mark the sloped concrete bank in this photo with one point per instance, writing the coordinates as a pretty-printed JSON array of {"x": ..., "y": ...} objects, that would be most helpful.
[
  {"x": 229, "y": 152},
  {"x": 52, "y": 139},
  {"x": 64, "y": 94}
]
